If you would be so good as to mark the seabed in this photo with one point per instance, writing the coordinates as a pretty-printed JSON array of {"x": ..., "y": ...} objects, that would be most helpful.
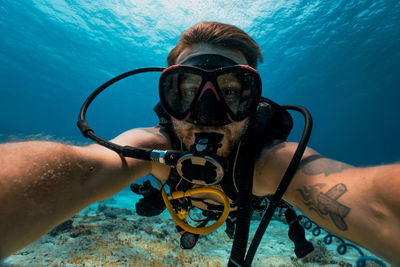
[{"x": 112, "y": 236}]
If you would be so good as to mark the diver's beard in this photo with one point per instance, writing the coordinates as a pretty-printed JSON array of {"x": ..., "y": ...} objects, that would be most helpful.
[{"x": 232, "y": 133}]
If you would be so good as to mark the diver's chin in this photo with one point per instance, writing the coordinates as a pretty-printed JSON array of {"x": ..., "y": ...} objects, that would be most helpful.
[{"x": 232, "y": 133}]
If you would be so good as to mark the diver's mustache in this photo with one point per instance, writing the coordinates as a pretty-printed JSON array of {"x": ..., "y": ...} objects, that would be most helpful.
[{"x": 209, "y": 129}]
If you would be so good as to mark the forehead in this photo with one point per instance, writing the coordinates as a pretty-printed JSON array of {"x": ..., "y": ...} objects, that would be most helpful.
[{"x": 200, "y": 49}]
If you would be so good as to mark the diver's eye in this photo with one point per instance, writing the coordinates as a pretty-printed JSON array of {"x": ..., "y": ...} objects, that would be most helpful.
[
  {"x": 230, "y": 91},
  {"x": 189, "y": 83},
  {"x": 189, "y": 91},
  {"x": 230, "y": 85},
  {"x": 231, "y": 94},
  {"x": 188, "y": 88}
]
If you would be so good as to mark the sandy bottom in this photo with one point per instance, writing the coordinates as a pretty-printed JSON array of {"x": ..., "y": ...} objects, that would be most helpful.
[{"x": 111, "y": 236}]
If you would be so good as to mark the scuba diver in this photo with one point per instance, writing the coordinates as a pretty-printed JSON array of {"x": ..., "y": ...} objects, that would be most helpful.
[{"x": 219, "y": 146}]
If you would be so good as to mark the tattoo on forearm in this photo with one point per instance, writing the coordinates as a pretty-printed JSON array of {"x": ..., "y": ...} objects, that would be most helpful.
[
  {"x": 317, "y": 164},
  {"x": 326, "y": 204}
]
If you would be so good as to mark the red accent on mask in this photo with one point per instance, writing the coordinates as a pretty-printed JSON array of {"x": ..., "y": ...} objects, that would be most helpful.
[{"x": 208, "y": 85}]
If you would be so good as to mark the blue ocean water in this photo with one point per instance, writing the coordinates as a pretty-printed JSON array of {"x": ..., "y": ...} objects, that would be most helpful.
[{"x": 340, "y": 59}]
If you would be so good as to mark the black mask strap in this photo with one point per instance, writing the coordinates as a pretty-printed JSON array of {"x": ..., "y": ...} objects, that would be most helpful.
[{"x": 209, "y": 61}]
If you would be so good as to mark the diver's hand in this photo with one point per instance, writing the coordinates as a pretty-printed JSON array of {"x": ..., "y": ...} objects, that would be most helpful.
[{"x": 360, "y": 204}]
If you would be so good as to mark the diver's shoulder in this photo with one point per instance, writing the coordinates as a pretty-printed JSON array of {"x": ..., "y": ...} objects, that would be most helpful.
[
  {"x": 284, "y": 150},
  {"x": 278, "y": 147},
  {"x": 146, "y": 131},
  {"x": 151, "y": 137},
  {"x": 272, "y": 164}
]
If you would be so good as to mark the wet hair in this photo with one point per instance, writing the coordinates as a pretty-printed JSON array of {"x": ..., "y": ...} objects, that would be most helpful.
[{"x": 221, "y": 35}]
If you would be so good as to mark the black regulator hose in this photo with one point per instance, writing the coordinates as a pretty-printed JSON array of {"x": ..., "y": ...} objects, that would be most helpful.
[
  {"x": 244, "y": 174},
  {"x": 284, "y": 184},
  {"x": 168, "y": 157}
]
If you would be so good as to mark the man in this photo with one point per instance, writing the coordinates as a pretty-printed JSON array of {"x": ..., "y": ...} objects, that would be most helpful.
[{"x": 43, "y": 183}]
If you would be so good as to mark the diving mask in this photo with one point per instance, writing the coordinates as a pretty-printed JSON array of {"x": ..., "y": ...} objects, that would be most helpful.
[{"x": 210, "y": 90}]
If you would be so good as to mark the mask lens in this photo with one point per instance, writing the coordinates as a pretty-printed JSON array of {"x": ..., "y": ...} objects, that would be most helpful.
[
  {"x": 179, "y": 90},
  {"x": 239, "y": 90},
  {"x": 188, "y": 83}
]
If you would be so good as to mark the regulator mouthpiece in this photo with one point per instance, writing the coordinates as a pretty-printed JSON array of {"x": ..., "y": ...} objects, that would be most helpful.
[{"x": 202, "y": 165}]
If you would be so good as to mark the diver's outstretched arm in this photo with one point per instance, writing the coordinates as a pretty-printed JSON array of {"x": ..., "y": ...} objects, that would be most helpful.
[
  {"x": 360, "y": 204},
  {"x": 43, "y": 183}
]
